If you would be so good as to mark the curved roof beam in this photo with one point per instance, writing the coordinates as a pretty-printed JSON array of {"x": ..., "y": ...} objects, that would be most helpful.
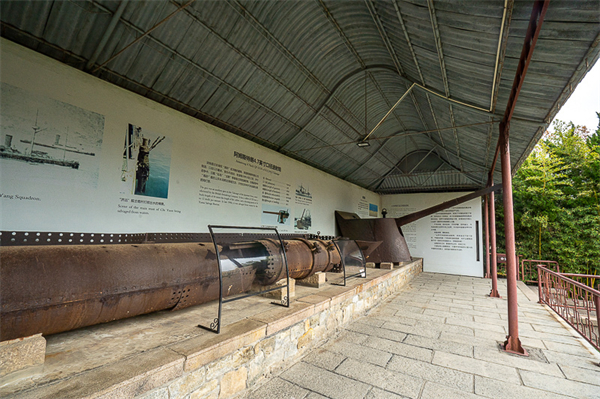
[
  {"x": 438, "y": 46},
  {"x": 338, "y": 86},
  {"x": 362, "y": 63},
  {"x": 390, "y": 48},
  {"x": 378, "y": 182},
  {"x": 414, "y": 57},
  {"x": 397, "y": 135}
]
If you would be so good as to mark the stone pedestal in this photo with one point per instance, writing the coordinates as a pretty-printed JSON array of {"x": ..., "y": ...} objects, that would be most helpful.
[
  {"x": 279, "y": 294},
  {"x": 22, "y": 353},
  {"x": 386, "y": 265},
  {"x": 371, "y": 265},
  {"x": 317, "y": 280}
]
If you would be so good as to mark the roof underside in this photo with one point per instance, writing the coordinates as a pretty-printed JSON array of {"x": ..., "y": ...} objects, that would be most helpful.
[{"x": 312, "y": 78}]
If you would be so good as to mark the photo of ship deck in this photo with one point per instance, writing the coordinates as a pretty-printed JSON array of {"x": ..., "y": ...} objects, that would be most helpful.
[{"x": 57, "y": 142}]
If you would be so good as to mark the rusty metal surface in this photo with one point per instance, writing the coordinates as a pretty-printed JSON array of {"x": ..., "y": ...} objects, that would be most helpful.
[
  {"x": 20, "y": 238},
  {"x": 393, "y": 247},
  {"x": 50, "y": 289},
  {"x": 401, "y": 221}
]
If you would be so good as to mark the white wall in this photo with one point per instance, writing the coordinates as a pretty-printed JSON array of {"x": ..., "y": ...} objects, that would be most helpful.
[
  {"x": 198, "y": 165},
  {"x": 446, "y": 240},
  {"x": 93, "y": 116}
]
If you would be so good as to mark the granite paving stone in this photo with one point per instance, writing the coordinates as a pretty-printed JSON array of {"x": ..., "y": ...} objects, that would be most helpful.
[
  {"x": 477, "y": 312},
  {"x": 503, "y": 390},
  {"x": 423, "y": 316},
  {"x": 377, "y": 332},
  {"x": 577, "y": 349},
  {"x": 439, "y": 338},
  {"x": 587, "y": 362},
  {"x": 440, "y": 344},
  {"x": 588, "y": 376},
  {"x": 438, "y": 391},
  {"x": 495, "y": 355},
  {"x": 399, "y": 348},
  {"x": 378, "y": 393},
  {"x": 374, "y": 320},
  {"x": 411, "y": 329},
  {"x": 561, "y": 386},
  {"x": 327, "y": 383},
  {"x": 553, "y": 330},
  {"x": 353, "y": 337},
  {"x": 363, "y": 353},
  {"x": 380, "y": 377},
  {"x": 277, "y": 389},
  {"x": 325, "y": 359},
  {"x": 430, "y": 372},
  {"x": 476, "y": 366},
  {"x": 501, "y": 337},
  {"x": 475, "y": 325}
]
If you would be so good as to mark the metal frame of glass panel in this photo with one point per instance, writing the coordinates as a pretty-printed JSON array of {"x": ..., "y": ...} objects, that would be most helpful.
[
  {"x": 215, "y": 326},
  {"x": 362, "y": 273}
]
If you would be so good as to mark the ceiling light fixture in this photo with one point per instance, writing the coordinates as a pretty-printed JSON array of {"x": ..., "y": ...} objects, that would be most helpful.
[{"x": 363, "y": 144}]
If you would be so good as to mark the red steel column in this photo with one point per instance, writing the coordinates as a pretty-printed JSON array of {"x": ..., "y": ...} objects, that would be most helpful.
[
  {"x": 487, "y": 236},
  {"x": 512, "y": 344},
  {"x": 494, "y": 293}
]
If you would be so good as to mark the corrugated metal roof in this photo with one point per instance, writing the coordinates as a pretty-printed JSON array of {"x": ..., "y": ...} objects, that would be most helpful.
[{"x": 291, "y": 75}]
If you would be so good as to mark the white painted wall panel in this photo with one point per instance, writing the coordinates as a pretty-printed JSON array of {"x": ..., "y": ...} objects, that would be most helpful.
[
  {"x": 199, "y": 174},
  {"x": 446, "y": 240}
]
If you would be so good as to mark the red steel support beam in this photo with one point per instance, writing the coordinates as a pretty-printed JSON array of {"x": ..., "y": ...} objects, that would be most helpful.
[
  {"x": 487, "y": 235},
  {"x": 494, "y": 258},
  {"x": 401, "y": 221},
  {"x": 513, "y": 344},
  {"x": 533, "y": 31}
]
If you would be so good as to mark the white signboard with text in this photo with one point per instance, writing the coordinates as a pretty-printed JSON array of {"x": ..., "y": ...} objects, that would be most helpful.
[{"x": 450, "y": 240}]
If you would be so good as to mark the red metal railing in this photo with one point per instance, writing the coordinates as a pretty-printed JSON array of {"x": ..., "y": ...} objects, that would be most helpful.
[
  {"x": 576, "y": 303},
  {"x": 501, "y": 265},
  {"x": 529, "y": 273}
]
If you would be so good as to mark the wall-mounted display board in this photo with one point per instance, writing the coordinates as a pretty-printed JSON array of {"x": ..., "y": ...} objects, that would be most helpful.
[
  {"x": 450, "y": 240},
  {"x": 79, "y": 154}
]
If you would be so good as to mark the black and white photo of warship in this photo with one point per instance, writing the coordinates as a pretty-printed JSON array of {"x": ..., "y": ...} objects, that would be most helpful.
[
  {"x": 44, "y": 140},
  {"x": 33, "y": 155},
  {"x": 302, "y": 191}
]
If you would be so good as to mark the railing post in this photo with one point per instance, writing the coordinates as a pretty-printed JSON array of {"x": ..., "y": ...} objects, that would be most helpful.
[
  {"x": 494, "y": 292},
  {"x": 597, "y": 303},
  {"x": 512, "y": 344},
  {"x": 487, "y": 236},
  {"x": 539, "y": 272}
]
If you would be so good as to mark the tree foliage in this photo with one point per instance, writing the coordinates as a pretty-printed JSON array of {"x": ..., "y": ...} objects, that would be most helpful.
[{"x": 556, "y": 195}]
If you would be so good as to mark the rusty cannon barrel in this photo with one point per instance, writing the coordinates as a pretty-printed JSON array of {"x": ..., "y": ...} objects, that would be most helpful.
[{"x": 51, "y": 289}]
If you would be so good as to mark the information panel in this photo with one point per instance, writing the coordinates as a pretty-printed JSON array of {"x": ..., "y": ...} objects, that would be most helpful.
[{"x": 450, "y": 240}]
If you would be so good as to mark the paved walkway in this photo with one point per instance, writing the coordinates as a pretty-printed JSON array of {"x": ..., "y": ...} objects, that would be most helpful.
[{"x": 439, "y": 338}]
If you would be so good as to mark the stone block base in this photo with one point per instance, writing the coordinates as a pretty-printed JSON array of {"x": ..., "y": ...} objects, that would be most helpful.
[
  {"x": 386, "y": 265},
  {"x": 317, "y": 280},
  {"x": 371, "y": 265},
  {"x": 21, "y": 353},
  {"x": 279, "y": 295},
  {"x": 226, "y": 365}
]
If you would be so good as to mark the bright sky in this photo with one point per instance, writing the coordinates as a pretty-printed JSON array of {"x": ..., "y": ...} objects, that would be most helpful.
[{"x": 583, "y": 104}]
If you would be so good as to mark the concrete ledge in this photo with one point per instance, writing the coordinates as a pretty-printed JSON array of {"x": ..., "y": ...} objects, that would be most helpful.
[
  {"x": 21, "y": 354},
  {"x": 206, "y": 365},
  {"x": 125, "y": 379},
  {"x": 202, "y": 350}
]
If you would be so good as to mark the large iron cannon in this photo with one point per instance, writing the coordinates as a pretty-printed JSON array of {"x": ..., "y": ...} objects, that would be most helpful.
[{"x": 56, "y": 288}]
